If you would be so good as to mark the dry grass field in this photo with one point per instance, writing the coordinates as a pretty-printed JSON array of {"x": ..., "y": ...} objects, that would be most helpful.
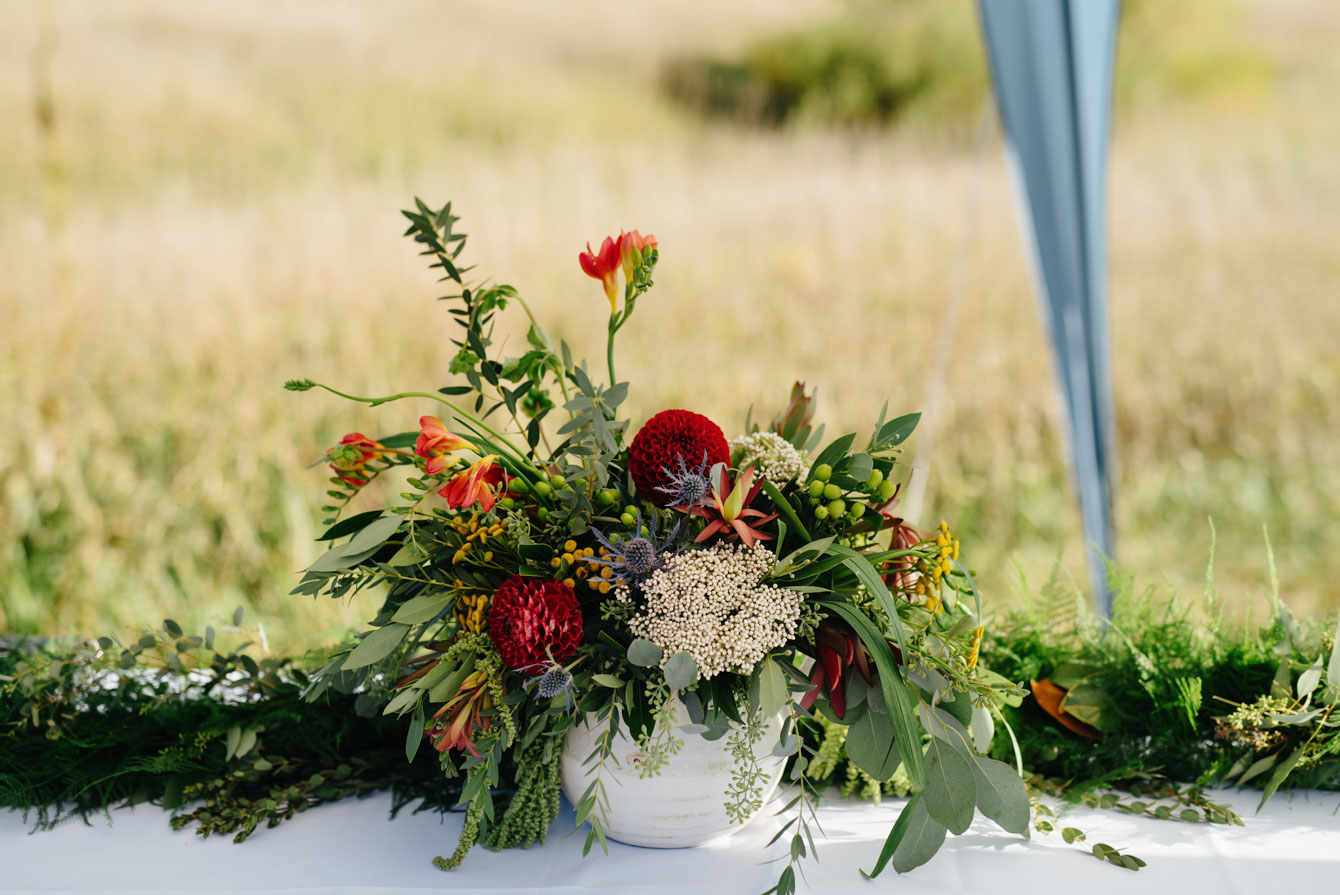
[{"x": 209, "y": 205}]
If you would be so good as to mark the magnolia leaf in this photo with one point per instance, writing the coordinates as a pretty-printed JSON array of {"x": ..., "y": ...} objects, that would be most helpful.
[
  {"x": 608, "y": 680},
  {"x": 377, "y": 645},
  {"x": 422, "y": 608},
  {"x": 644, "y": 653},
  {"x": 922, "y": 838},
  {"x": 895, "y": 837},
  {"x": 951, "y": 788},
  {"x": 872, "y": 746},
  {"x": 1002, "y": 795},
  {"x": 1308, "y": 680},
  {"x": 340, "y": 558},
  {"x": 681, "y": 671}
]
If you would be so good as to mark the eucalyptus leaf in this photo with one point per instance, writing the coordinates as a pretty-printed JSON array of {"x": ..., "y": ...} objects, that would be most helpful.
[
  {"x": 1002, "y": 795},
  {"x": 681, "y": 671},
  {"x": 644, "y": 653},
  {"x": 374, "y": 535},
  {"x": 983, "y": 728},
  {"x": 771, "y": 687},
  {"x": 872, "y": 746},
  {"x": 422, "y": 608},
  {"x": 377, "y": 645},
  {"x": 921, "y": 839},
  {"x": 1308, "y": 680},
  {"x": 951, "y": 787},
  {"x": 1277, "y": 776}
]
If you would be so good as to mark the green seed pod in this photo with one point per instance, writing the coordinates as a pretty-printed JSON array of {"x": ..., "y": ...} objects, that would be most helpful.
[
  {"x": 508, "y": 503},
  {"x": 887, "y": 490},
  {"x": 823, "y": 472},
  {"x": 816, "y": 488},
  {"x": 873, "y": 482},
  {"x": 627, "y": 518},
  {"x": 821, "y": 512},
  {"x": 630, "y": 510},
  {"x": 558, "y": 481},
  {"x": 837, "y": 509},
  {"x": 517, "y": 486},
  {"x": 542, "y": 488},
  {"x": 832, "y": 492},
  {"x": 608, "y": 496},
  {"x": 543, "y": 513}
]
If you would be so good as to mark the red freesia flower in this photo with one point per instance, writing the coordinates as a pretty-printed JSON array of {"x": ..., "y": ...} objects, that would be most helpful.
[
  {"x": 350, "y": 457},
  {"x": 669, "y": 438},
  {"x": 476, "y": 484},
  {"x": 632, "y": 249},
  {"x": 534, "y": 622},
  {"x": 728, "y": 512},
  {"x": 435, "y": 444},
  {"x": 604, "y": 266},
  {"x": 465, "y": 713}
]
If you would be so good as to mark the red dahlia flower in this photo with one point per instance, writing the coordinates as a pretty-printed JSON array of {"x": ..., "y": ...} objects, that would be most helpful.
[
  {"x": 604, "y": 266},
  {"x": 668, "y": 439},
  {"x": 534, "y": 622},
  {"x": 476, "y": 484}
]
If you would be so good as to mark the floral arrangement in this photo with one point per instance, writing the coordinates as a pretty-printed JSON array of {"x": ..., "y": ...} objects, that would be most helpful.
[{"x": 544, "y": 570}]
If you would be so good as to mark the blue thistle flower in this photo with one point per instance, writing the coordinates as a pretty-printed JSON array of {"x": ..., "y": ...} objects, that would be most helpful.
[
  {"x": 634, "y": 558},
  {"x": 551, "y": 680},
  {"x": 687, "y": 487}
]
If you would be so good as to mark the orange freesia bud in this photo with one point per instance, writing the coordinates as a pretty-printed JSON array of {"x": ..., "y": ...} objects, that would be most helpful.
[
  {"x": 476, "y": 484},
  {"x": 632, "y": 248},
  {"x": 350, "y": 457},
  {"x": 436, "y": 444},
  {"x": 604, "y": 266}
]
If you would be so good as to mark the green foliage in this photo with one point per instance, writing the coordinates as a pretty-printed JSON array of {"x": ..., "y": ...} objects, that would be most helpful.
[{"x": 874, "y": 63}]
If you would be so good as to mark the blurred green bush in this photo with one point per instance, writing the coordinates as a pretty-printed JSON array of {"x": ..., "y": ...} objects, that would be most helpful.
[{"x": 924, "y": 59}]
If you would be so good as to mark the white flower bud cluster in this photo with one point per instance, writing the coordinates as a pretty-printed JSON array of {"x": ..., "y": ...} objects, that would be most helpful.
[
  {"x": 771, "y": 455},
  {"x": 711, "y": 603}
]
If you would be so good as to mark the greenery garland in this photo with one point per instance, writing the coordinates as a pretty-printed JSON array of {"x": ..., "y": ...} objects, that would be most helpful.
[{"x": 1158, "y": 705}]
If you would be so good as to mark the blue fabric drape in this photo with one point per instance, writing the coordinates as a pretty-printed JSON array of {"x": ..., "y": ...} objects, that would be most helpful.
[{"x": 1051, "y": 65}]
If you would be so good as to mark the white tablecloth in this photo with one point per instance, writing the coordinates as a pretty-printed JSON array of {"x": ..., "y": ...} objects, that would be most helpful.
[{"x": 351, "y": 847}]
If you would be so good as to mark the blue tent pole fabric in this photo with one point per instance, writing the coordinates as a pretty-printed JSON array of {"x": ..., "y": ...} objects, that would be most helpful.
[{"x": 1051, "y": 66}]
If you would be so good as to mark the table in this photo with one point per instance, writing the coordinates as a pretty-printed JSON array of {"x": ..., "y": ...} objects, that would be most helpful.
[{"x": 351, "y": 847}]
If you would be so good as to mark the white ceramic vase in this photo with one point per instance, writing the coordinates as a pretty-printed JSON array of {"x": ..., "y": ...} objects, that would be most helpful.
[{"x": 683, "y": 805}]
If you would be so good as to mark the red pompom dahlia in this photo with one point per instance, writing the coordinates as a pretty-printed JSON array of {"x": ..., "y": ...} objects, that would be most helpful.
[
  {"x": 534, "y": 622},
  {"x": 669, "y": 442}
]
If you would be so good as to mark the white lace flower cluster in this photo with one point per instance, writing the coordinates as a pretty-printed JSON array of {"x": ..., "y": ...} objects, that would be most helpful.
[
  {"x": 711, "y": 603},
  {"x": 771, "y": 455}
]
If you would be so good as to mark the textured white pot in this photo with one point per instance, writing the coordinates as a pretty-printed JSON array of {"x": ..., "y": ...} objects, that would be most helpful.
[{"x": 682, "y": 806}]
